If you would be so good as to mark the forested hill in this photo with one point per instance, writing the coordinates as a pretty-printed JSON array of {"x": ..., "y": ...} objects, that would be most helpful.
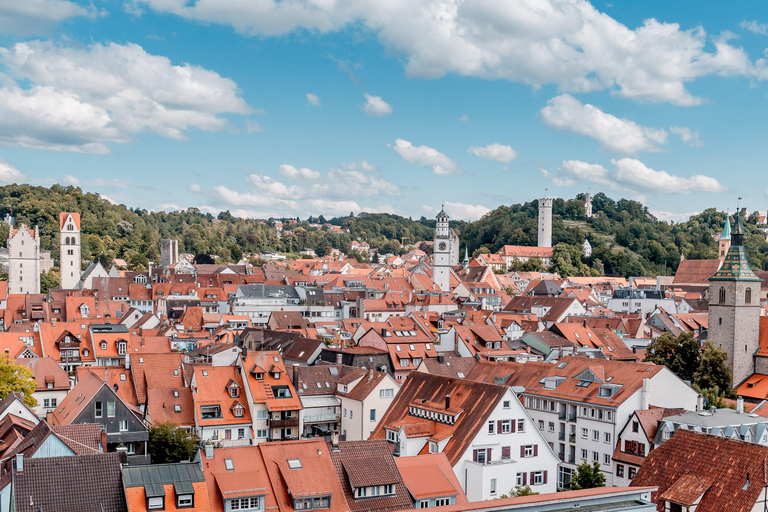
[{"x": 626, "y": 238}]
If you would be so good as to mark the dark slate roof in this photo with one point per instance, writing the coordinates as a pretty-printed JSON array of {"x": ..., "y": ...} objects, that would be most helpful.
[
  {"x": 369, "y": 463},
  {"x": 181, "y": 474},
  {"x": 261, "y": 291},
  {"x": 82, "y": 483}
]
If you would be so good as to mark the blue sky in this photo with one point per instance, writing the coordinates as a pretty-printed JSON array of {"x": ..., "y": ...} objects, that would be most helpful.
[{"x": 326, "y": 106}]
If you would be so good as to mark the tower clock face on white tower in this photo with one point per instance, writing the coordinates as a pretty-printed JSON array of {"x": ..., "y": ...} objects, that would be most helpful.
[{"x": 442, "y": 246}]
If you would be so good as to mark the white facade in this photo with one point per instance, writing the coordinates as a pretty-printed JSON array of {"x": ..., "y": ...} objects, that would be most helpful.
[
  {"x": 69, "y": 255},
  {"x": 24, "y": 260},
  {"x": 545, "y": 222},
  {"x": 48, "y": 400},
  {"x": 360, "y": 417},
  {"x": 442, "y": 253},
  {"x": 500, "y": 457}
]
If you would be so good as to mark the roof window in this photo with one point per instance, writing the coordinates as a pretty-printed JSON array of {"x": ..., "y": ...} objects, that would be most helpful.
[{"x": 294, "y": 464}]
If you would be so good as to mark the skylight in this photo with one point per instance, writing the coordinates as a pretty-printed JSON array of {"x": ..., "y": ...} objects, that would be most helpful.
[
  {"x": 294, "y": 464},
  {"x": 229, "y": 465},
  {"x": 334, "y": 371}
]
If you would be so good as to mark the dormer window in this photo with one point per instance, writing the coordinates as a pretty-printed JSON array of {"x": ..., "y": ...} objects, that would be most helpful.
[
  {"x": 258, "y": 376},
  {"x": 103, "y": 345},
  {"x": 234, "y": 391},
  {"x": 276, "y": 375}
]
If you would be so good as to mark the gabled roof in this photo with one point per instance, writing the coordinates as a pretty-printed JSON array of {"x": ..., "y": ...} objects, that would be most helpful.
[
  {"x": 695, "y": 271},
  {"x": 729, "y": 474},
  {"x": 430, "y": 476},
  {"x": 63, "y": 216},
  {"x": 77, "y": 399},
  {"x": 476, "y": 400}
]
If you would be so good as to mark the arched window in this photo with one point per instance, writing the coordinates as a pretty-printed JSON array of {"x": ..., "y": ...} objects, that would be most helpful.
[
  {"x": 66, "y": 241},
  {"x": 722, "y": 294},
  {"x": 748, "y": 296}
]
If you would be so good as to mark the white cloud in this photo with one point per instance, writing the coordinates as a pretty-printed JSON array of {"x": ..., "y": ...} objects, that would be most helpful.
[
  {"x": 568, "y": 43},
  {"x": 293, "y": 173},
  {"x": 195, "y": 188},
  {"x": 314, "y": 100},
  {"x": 670, "y": 216},
  {"x": 375, "y": 106},
  {"x": 459, "y": 211},
  {"x": 70, "y": 180},
  {"x": 354, "y": 180},
  {"x": 82, "y": 99},
  {"x": 630, "y": 174},
  {"x": 616, "y": 135},
  {"x": 495, "y": 151},
  {"x": 465, "y": 117},
  {"x": 37, "y": 16},
  {"x": 755, "y": 26},
  {"x": 687, "y": 135},
  {"x": 167, "y": 207},
  {"x": 273, "y": 188},
  {"x": 253, "y": 126},
  {"x": 9, "y": 174},
  {"x": 426, "y": 156},
  {"x": 113, "y": 183}
]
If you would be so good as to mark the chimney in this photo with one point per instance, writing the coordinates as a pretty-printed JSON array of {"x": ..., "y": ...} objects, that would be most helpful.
[
  {"x": 740, "y": 405},
  {"x": 103, "y": 447},
  {"x": 645, "y": 395},
  {"x": 699, "y": 403},
  {"x": 384, "y": 333},
  {"x": 339, "y": 357},
  {"x": 19, "y": 462},
  {"x": 208, "y": 451},
  {"x": 447, "y": 402},
  {"x": 658, "y": 283},
  {"x": 127, "y": 361},
  {"x": 441, "y": 358},
  {"x": 370, "y": 375},
  {"x": 335, "y": 440},
  {"x": 296, "y": 377}
]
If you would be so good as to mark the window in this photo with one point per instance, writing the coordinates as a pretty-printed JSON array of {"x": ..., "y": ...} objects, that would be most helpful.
[
  {"x": 177, "y": 408},
  {"x": 373, "y": 414},
  {"x": 721, "y": 295},
  {"x": 294, "y": 464},
  {"x": 442, "y": 502},
  {"x": 157, "y": 503},
  {"x": 635, "y": 426},
  {"x": 632, "y": 473},
  {"x": 350, "y": 413},
  {"x": 606, "y": 458},
  {"x": 103, "y": 345},
  {"x": 607, "y": 437},
  {"x": 244, "y": 503},
  {"x": 595, "y": 456},
  {"x": 519, "y": 482},
  {"x": 541, "y": 424},
  {"x": 184, "y": 501},
  {"x": 595, "y": 435},
  {"x": 241, "y": 433},
  {"x": 229, "y": 465},
  {"x": 551, "y": 427},
  {"x": 491, "y": 427},
  {"x": 748, "y": 296},
  {"x": 261, "y": 433},
  {"x": 584, "y": 454},
  {"x": 238, "y": 412},
  {"x": 585, "y": 433},
  {"x": 386, "y": 393},
  {"x": 432, "y": 447},
  {"x": 529, "y": 450},
  {"x": 392, "y": 436},
  {"x": 97, "y": 410},
  {"x": 234, "y": 392},
  {"x": 123, "y": 425},
  {"x": 620, "y": 470},
  {"x": 506, "y": 426},
  {"x": 493, "y": 486},
  {"x": 261, "y": 414},
  {"x": 538, "y": 478},
  {"x": 506, "y": 404},
  {"x": 480, "y": 455},
  {"x": 521, "y": 425},
  {"x": 110, "y": 409}
]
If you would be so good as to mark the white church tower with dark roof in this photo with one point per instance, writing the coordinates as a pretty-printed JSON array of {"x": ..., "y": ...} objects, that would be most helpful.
[
  {"x": 445, "y": 252},
  {"x": 69, "y": 255}
]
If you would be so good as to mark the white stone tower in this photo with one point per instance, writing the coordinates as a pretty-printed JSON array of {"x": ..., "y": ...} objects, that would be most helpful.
[
  {"x": 588, "y": 205},
  {"x": 69, "y": 255},
  {"x": 24, "y": 260},
  {"x": 169, "y": 252},
  {"x": 545, "y": 222},
  {"x": 734, "y": 308},
  {"x": 442, "y": 250}
]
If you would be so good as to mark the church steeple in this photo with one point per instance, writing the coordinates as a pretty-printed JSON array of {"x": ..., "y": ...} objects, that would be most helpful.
[
  {"x": 735, "y": 266},
  {"x": 725, "y": 239}
]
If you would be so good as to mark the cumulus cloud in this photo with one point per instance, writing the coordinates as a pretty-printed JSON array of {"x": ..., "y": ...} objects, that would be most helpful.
[
  {"x": 167, "y": 207},
  {"x": 9, "y": 174},
  {"x": 314, "y": 100},
  {"x": 37, "y": 16},
  {"x": 670, "y": 216},
  {"x": 195, "y": 188},
  {"x": 293, "y": 173},
  {"x": 568, "y": 43},
  {"x": 425, "y": 156},
  {"x": 615, "y": 135},
  {"x": 70, "y": 180},
  {"x": 375, "y": 106},
  {"x": 495, "y": 151},
  {"x": 755, "y": 27},
  {"x": 459, "y": 211},
  {"x": 629, "y": 174},
  {"x": 687, "y": 135},
  {"x": 331, "y": 194},
  {"x": 82, "y": 99}
]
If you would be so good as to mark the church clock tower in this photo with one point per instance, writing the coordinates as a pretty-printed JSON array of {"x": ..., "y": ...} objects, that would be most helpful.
[
  {"x": 734, "y": 308},
  {"x": 442, "y": 252}
]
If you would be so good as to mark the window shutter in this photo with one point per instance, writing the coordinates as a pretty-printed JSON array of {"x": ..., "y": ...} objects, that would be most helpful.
[
  {"x": 525, "y": 479},
  {"x": 532, "y": 476},
  {"x": 522, "y": 451},
  {"x": 513, "y": 425},
  {"x": 545, "y": 476},
  {"x": 535, "y": 450},
  {"x": 474, "y": 455},
  {"x": 505, "y": 452},
  {"x": 488, "y": 457},
  {"x": 498, "y": 426}
]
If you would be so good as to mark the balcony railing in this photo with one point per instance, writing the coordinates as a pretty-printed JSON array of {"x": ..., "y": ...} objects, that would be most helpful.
[
  {"x": 561, "y": 436},
  {"x": 292, "y": 422},
  {"x": 561, "y": 415},
  {"x": 572, "y": 459},
  {"x": 322, "y": 418},
  {"x": 572, "y": 417},
  {"x": 572, "y": 438},
  {"x": 561, "y": 456}
]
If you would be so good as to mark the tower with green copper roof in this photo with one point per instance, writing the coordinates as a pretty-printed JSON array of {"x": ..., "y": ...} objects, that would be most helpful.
[
  {"x": 725, "y": 239},
  {"x": 734, "y": 306}
]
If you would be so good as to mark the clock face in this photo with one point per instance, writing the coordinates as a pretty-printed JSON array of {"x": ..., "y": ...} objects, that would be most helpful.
[{"x": 441, "y": 246}]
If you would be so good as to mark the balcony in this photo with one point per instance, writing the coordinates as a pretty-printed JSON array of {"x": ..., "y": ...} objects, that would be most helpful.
[
  {"x": 561, "y": 456},
  {"x": 572, "y": 438},
  {"x": 561, "y": 415},
  {"x": 322, "y": 418},
  {"x": 571, "y": 459},
  {"x": 572, "y": 417},
  {"x": 561, "y": 436},
  {"x": 291, "y": 422}
]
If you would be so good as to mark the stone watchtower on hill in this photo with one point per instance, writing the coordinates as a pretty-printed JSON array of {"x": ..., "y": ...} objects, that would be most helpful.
[
  {"x": 442, "y": 252},
  {"x": 545, "y": 222},
  {"x": 734, "y": 307}
]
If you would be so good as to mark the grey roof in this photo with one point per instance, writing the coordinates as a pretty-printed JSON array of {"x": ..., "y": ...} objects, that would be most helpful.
[
  {"x": 721, "y": 418},
  {"x": 113, "y": 328},
  {"x": 85, "y": 483},
  {"x": 261, "y": 291},
  {"x": 182, "y": 473}
]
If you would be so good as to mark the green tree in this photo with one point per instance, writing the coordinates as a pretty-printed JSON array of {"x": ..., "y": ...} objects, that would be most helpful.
[
  {"x": 519, "y": 491},
  {"x": 587, "y": 476},
  {"x": 713, "y": 372},
  {"x": 17, "y": 378},
  {"x": 170, "y": 443},
  {"x": 50, "y": 280},
  {"x": 681, "y": 354},
  {"x": 563, "y": 262}
]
